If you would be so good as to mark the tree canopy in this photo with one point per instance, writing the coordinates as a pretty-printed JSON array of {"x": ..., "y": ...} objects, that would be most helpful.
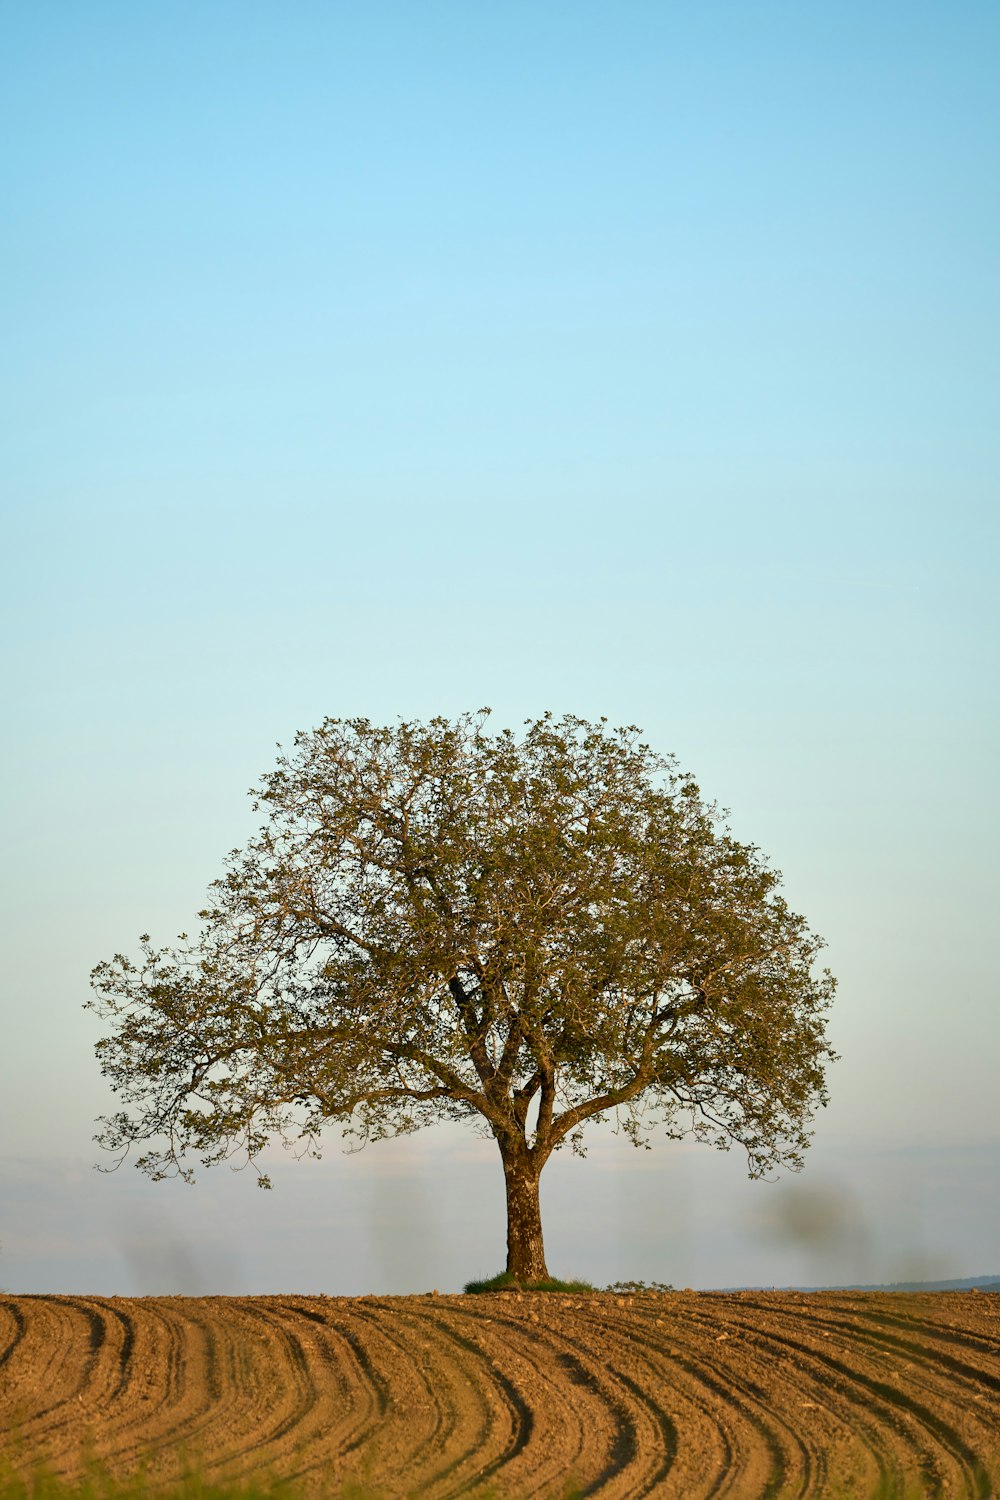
[{"x": 438, "y": 921}]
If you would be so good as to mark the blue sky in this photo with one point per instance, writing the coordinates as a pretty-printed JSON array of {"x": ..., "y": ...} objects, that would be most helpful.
[{"x": 634, "y": 359}]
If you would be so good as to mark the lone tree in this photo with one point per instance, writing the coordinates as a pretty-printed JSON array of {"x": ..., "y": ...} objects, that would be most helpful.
[{"x": 437, "y": 922}]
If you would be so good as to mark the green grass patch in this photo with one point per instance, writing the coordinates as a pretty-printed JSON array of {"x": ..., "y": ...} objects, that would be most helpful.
[
  {"x": 507, "y": 1283},
  {"x": 42, "y": 1484}
]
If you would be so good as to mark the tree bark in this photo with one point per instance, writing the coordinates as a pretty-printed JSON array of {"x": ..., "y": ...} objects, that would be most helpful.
[{"x": 525, "y": 1248}]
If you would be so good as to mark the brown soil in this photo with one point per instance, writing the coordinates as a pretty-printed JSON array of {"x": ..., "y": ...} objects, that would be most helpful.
[{"x": 678, "y": 1394}]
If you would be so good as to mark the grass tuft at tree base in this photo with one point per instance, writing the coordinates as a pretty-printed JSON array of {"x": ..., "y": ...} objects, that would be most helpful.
[{"x": 505, "y": 1282}]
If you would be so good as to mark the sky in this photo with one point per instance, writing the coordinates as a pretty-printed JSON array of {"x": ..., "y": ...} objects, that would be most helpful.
[{"x": 633, "y": 359}]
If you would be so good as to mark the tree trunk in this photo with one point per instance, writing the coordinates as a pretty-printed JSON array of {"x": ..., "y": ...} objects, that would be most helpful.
[{"x": 525, "y": 1250}]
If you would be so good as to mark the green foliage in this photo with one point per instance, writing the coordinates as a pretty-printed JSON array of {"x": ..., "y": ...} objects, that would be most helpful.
[
  {"x": 438, "y": 922},
  {"x": 505, "y": 1282}
]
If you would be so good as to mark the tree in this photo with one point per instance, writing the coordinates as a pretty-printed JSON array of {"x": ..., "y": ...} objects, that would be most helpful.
[{"x": 439, "y": 922}]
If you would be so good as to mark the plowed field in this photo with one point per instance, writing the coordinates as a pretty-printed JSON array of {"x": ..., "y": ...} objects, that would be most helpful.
[{"x": 677, "y": 1394}]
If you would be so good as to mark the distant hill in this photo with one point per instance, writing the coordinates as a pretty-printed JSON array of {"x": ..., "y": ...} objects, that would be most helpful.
[{"x": 962, "y": 1284}]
